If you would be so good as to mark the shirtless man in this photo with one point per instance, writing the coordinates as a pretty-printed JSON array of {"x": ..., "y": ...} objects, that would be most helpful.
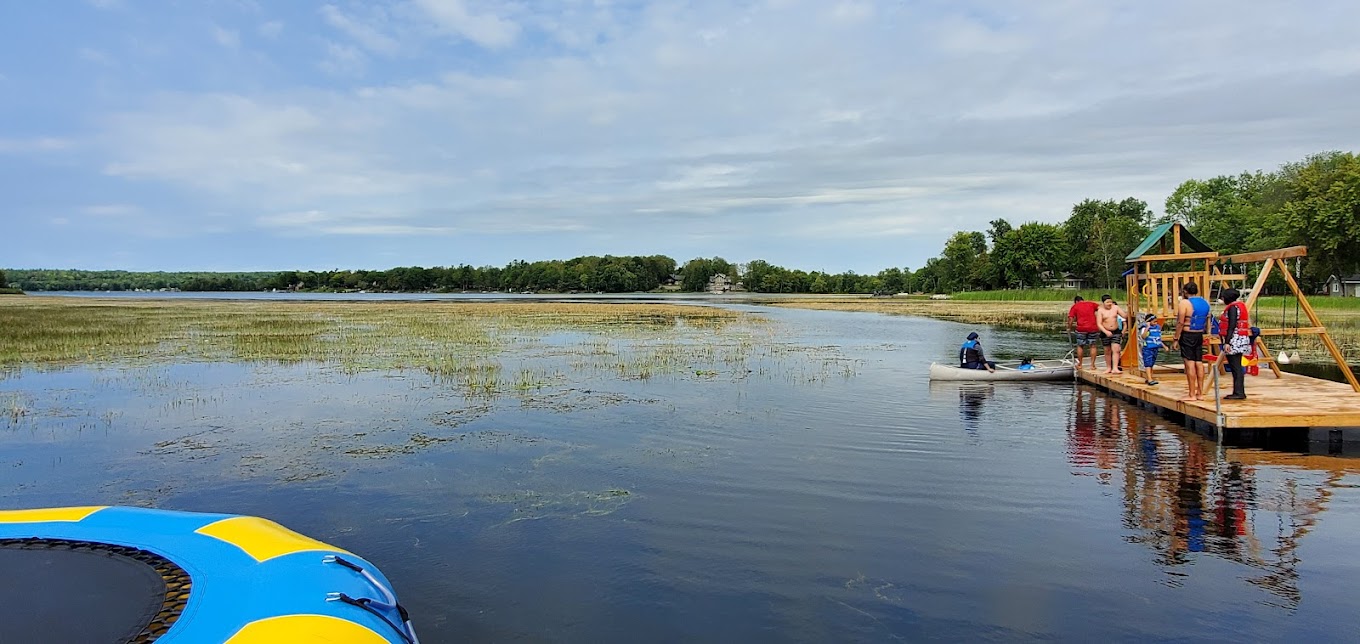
[
  {"x": 1192, "y": 321},
  {"x": 1108, "y": 318}
]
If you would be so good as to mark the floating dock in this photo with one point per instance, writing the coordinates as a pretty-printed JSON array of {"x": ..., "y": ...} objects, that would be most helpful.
[{"x": 1289, "y": 401}]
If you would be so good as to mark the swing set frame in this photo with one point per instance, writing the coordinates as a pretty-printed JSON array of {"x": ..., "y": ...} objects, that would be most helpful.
[{"x": 1158, "y": 291}]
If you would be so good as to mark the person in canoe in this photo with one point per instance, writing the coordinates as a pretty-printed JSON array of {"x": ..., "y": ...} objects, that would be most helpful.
[{"x": 972, "y": 357}]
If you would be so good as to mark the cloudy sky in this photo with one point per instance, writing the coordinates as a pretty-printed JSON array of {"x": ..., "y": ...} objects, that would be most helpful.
[{"x": 853, "y": 135}]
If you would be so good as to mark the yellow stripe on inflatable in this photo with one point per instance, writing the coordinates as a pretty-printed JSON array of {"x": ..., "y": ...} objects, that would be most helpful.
[
  {"x": 40, "y": 515},
  {"x": 262, "y": 539},
  {"x": 305, "y": 629}
]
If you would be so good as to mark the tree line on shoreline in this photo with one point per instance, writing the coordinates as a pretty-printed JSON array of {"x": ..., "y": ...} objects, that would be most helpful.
[{"x": 1313, "y": 202}]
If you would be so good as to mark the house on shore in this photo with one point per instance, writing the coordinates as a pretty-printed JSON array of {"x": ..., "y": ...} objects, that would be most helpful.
[
  {"x": 1342, "y": 286},
  {"x": 719, "y": 283},
  {"x": 1062, "y": 280}
]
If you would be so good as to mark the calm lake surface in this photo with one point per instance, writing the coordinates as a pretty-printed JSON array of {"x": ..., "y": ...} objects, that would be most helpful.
[{"x": 829, "y": 493}]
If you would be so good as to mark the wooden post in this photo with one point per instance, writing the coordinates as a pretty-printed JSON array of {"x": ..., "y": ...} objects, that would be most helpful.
[
  {"x": 1130, "y": 344},
  {"x": 1260, "y": 282},
  {"x": 1326, "y": 339}
]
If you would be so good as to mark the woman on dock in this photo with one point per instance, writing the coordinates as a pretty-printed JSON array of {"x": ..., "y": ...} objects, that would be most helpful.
[{"x": 1236, "y": 330}]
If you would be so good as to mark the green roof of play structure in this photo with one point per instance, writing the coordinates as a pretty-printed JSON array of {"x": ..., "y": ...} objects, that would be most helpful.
[{"x": 1162, "y": 231}]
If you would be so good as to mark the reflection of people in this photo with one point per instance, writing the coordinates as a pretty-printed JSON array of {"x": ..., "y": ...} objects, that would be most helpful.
[
  {"x": 1192, "y": 320},
  {"x": 1082, "y": 315},
  {"x": 972, "y": 357},
  {"x": 1110, "y": 317},
  {"x": 1236, "y": 330},
  {"x": 971, "y": 399}
]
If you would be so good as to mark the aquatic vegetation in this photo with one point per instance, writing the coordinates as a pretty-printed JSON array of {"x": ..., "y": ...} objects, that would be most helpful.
[
  {"x": 530, "y": 505},
  {"x": 467, "y": 345}
]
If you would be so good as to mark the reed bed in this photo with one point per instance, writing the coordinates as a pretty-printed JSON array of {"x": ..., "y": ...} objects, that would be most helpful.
[{"x": 485, "y": 349}]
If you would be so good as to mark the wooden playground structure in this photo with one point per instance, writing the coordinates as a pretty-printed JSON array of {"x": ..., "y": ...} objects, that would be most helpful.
[{"x": 1169, "y": 258}]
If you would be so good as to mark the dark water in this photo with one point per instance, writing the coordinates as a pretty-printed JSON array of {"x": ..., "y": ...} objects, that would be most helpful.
[{"x": 795, "y": 503}]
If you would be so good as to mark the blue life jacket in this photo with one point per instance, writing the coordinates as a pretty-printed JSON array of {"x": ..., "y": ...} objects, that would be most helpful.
[
  {"x": 970, "y": 352},
  {"x": 1026, "y": 367},
  {"x": 1199, "y": 314},
  {"x": 1154, "y": 336}
]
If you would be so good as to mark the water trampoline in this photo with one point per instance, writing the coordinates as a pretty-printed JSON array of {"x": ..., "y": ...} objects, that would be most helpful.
[{"x": 113, "y": 574}]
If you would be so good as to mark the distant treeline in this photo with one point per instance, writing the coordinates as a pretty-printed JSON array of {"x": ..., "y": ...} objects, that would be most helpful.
[
  {"x": 1313, "y": 202},
  {"x": 608, "y": 274}
]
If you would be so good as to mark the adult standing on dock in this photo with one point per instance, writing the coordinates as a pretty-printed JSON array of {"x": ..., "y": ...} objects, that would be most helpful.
[
  {"x": 1082, "y": 315},
  {"x": 1110, "y": 316},
  {"x": 1192, "y": 320},
  {"x": 1236, "y": 330}
]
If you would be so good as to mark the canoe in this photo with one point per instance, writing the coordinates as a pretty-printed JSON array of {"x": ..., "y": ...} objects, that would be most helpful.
[
  {"x": 1005, "y": 372},
  {"x": 116, "y": 574}
]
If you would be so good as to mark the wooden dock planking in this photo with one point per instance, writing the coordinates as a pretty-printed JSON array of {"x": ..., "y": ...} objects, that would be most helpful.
[{"x": 1289, "y": 401}]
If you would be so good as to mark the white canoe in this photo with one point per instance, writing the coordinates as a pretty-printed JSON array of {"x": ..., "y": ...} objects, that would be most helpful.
[{"x": 1005, "y": 372}]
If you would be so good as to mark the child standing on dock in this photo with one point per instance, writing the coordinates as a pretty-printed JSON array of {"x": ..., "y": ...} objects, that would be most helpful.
[{"x": 1150, "y": 340}]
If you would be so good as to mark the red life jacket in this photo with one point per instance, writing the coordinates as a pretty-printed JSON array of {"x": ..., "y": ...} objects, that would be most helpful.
[{"x": 1243, "y": 324}]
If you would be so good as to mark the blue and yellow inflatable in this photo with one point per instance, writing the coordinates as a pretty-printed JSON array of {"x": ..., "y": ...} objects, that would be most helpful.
[{"x": 121, "y": 574}]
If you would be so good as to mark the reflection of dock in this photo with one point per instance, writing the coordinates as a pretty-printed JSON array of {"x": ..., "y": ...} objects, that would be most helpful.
[
  {"x": 1287, "y": 401},
  {"x": 1184, "y": 498}
]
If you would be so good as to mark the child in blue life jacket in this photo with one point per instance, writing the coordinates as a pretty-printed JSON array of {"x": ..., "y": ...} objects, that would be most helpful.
[{"x": 1150, "y": 341}]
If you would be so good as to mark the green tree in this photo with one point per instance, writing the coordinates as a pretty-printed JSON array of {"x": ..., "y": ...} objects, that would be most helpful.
[
  {"x": 1323, "y": 211},
  {"x": 1020, "y": 255},
  {"x": 1099, "y": 234},
  {"x": 964, "y": 261},
  {"x": 696, "y": 273}
]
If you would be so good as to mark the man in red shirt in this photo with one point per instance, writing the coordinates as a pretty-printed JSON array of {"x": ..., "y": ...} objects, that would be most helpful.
[{"x": 1082, "y": 315}]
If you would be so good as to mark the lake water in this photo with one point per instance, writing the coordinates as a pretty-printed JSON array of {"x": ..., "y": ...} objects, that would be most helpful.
[{"x": 827, "y": 494}]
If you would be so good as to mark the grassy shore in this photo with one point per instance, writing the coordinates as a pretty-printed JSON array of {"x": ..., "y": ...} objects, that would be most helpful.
[{"x": 1340, "y": 315}]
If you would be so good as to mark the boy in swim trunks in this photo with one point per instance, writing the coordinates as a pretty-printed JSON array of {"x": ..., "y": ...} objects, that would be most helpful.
[
  {"x": 1110, "y": 318},
  {"x": 1192, "y": 320}
]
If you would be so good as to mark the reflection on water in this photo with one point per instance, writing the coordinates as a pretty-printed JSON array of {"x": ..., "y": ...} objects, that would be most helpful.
[
  {"x": 1184, "y": 497},
  {"x": 971, "y": 399}
]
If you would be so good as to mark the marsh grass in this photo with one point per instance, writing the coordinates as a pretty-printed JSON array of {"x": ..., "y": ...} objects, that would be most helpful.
[{"x": 465, "y": 345}]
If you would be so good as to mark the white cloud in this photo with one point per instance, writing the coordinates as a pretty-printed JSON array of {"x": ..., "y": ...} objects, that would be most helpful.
[
  {"x": 482, "y": 27},
  {"x": 270, "y": 30},
  {"x": 226, "y": 37},
  {"x": 343, "y": 60},
  {"x": 32, "y": 145},
  {"x": 904, "y": 121},
  {"x": 367, "y": 35},
  {"x": 112, "y": 210},
  {"x": 91, "y": 55}
]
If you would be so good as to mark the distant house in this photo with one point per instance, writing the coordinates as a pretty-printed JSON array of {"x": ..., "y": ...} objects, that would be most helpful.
[
  {"x": 719, "y": 283},
  {"x": 1062, "y": 280},
  {"x": 672, "y": 283},
  {"x": 1342, "y": 286}
]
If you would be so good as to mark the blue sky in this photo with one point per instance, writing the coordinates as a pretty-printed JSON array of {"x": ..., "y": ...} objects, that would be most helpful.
[{"x": 252, "y": 135}]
